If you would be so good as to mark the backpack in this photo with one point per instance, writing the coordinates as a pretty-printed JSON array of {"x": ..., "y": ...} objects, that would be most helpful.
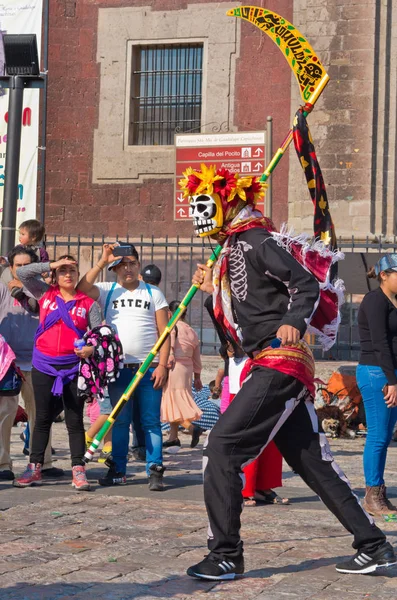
[{"x": 11, "y": 383}]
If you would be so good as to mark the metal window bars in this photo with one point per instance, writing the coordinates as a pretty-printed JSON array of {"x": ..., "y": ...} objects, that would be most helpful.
[{"x": 166, "y": 83}]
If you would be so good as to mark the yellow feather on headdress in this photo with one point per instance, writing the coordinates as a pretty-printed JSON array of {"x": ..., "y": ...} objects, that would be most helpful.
[
  {"x": 200, "y": 182},
  {"x": 207, "y": 176}
]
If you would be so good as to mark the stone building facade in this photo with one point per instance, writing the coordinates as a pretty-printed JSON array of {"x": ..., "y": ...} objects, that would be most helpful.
[
  {"x": 354, "y": 123},
  {"x": 98, "y": 182}
]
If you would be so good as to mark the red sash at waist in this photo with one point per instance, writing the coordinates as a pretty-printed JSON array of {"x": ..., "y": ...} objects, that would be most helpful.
[{"x": 295, "y": 360}]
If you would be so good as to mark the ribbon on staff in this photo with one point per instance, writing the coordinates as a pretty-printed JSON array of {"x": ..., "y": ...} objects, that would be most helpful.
[{"x": 323, "y": 225}]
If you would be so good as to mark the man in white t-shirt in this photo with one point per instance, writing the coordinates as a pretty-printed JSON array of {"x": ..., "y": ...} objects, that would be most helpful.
[{"x": 139, "y": 313}]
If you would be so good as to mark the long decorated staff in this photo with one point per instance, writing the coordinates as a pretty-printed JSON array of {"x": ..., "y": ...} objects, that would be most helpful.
[
  {"x": 312, "y": 79},
  {"x": 307, "y": 68}
]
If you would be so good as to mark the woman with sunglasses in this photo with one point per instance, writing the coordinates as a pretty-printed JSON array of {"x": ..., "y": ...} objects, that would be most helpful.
[{"x": 65, "y": 316}]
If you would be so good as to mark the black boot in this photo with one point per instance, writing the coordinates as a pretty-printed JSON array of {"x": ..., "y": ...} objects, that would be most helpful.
[
  {"x": 112, "y": 477},
  {"x": 197, "y": 431},
  {"x": 389, "y": 505},
  {"x": 156, "y": 478}
]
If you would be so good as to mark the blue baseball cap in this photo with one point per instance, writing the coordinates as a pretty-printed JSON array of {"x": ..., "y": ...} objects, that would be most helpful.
[
  {"x": 115, "y": 263},
  {"x": 388, "y": 262}
]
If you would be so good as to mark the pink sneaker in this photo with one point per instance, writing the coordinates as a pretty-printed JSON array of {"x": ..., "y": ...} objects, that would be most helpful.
[
  {"x": 80, "y": 479},
  {"x": 31, "y": 476}
]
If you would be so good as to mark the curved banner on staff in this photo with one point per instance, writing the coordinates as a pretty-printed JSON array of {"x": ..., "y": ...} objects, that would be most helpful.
[
  {"x": 17, "y": 17},
  {"x": 301, "y": 57}
]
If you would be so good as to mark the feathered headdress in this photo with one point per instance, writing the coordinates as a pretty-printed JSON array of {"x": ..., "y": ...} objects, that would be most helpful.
[{"x": 233, "y": 190}]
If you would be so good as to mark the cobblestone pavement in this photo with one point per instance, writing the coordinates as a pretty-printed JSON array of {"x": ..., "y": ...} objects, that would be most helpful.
[{"x": 125, "y": 543}]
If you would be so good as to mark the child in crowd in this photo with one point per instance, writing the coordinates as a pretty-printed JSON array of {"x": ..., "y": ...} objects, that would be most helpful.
[
  {"x": 151, "y": 274},
  {"x": 98, "y": 412},
  {"x": 31, "y": 235},
  {"x": 215, "y": 392}
]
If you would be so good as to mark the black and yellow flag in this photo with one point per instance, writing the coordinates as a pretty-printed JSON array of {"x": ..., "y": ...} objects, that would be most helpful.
[{"x": 323, "y": 226}]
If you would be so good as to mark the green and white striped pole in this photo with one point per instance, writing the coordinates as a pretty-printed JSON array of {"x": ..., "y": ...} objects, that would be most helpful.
[{"x": 146, "y": 364}]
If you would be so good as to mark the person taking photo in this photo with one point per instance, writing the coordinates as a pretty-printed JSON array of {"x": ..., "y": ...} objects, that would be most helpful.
[{"x": 138, "y": 312}]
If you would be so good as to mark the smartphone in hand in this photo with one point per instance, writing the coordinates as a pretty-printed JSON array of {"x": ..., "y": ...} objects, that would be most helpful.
[
  {"x": 384, "y": 389},
  {"x": 123, "y": 250}
]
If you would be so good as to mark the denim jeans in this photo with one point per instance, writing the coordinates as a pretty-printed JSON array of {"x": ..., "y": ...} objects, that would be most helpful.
[
  {"x": 380, "y": 422},
  {"x": 147, "y": 401}
]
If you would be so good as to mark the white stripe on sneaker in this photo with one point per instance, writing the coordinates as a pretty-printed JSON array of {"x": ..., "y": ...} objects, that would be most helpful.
[
  {"x": 364, "y": 558},
  {"x": 226, "y": 566}
]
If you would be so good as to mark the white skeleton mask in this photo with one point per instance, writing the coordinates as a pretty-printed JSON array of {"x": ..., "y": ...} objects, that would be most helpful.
[{"x": 207, "y": 215}]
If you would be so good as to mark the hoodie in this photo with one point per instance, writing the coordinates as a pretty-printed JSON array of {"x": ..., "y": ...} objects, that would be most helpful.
[{"x": 18, "y": 326}]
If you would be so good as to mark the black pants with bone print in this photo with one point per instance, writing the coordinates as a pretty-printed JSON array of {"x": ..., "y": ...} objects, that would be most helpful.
[{"x": 271, "y": 405}]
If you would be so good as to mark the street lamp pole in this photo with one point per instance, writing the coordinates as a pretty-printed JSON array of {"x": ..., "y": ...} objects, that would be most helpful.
[
  {"x": 11, "y": 172},
  {"x": 22, "y": 71}
]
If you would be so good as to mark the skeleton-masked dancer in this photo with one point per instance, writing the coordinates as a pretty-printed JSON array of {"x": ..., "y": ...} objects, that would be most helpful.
[{"x": 268, "y": 288}]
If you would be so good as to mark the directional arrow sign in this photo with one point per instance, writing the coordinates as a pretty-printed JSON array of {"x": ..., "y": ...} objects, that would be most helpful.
[{"x": 240, "y": 152}]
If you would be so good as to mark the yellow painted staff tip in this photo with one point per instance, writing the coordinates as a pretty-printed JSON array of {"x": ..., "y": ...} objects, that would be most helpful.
[{"x": 306, "y": 65}]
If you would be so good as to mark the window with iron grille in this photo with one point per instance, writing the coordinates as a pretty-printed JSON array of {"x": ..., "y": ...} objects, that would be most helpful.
[{"x": 165, "y": 92}]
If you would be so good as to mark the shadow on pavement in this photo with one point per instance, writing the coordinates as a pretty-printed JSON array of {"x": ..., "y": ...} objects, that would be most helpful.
[
  {"x": 162, "y": 588},
  {"x": 180, "y": 586},
  {"x": 344, "y": 453},
  {"x": 309, "y": 565}
]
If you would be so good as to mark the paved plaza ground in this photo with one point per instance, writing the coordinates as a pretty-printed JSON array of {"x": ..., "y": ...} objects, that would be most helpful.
[{"x": 125, "y": 543}]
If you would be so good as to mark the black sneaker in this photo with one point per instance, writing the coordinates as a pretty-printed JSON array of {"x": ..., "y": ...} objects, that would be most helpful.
[
  {"x": 156, "y": 478},
  {"x": 113, "y": 477},
  {"x": 368, "y": 562},
  {"x": 217, "y": 568},
  {"x": 171, "y": 443},
  {"x": 7, "y": 475},
  {"x": 197, "y": 431}
]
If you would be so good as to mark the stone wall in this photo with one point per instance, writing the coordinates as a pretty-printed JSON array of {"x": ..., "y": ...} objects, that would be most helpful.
[
  {"x": 94, "y": 182},
  {"x": 353, "y": 124},
  {"x": 92, "y": 188}
]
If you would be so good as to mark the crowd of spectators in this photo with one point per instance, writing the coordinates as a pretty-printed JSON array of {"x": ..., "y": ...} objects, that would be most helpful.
[
  {"x": 52, "y": 321},
  {"x": 48, "y": 311}
]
